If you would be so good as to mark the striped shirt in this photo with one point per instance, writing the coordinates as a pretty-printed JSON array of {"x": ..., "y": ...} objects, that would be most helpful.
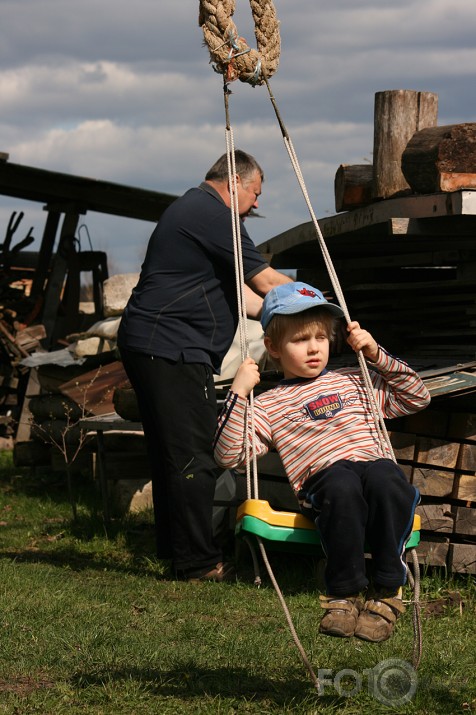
[{"x": 313, "y": 423}]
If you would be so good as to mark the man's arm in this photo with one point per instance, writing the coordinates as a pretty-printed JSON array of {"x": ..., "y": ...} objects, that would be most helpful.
[
  {"x": 254, "y": 303},
  {"x": 267, "y": 279},
  {"x": 260, "y": 285}
]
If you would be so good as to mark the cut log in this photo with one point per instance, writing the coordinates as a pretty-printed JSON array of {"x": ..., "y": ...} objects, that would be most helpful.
[
  {"x": 353, "y": 186},
  {"x": 465, "y": 488},
  {"x": 462, "y": 558},
  {"x": 434, "y": 552},
  {"x": 432, "y": 482},
  {"x": 441, "y": 159},
  {"x": 125, "y": 403},
  {"x": 437, "y": 452},
  {"x": 398, "y": 114},
  {"x": 94, "y": 390},
  {"x": 436, "y": 517},
  {"x": 465, "y": 523},
  {"x": 49, "y": 407}
]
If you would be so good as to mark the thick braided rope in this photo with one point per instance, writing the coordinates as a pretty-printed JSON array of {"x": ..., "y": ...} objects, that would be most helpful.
[{"x": 230, "y": 53}]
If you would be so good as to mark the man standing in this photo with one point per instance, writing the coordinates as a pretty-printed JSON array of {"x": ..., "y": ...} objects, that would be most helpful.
[{"x": 175, "y": 331}]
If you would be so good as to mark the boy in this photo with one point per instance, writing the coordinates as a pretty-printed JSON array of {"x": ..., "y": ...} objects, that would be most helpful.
[{"x": 320, "y": 422}]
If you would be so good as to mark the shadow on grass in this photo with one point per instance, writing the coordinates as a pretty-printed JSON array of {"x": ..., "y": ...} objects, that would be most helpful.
[
  {"x": 187, "y": 681},
  {"x": 294, "y": 575},
  {"x": 43, "y": 484}
]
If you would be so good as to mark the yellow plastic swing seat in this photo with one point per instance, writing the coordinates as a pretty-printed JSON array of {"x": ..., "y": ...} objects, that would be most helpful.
[{"x": 287, "y": 529}]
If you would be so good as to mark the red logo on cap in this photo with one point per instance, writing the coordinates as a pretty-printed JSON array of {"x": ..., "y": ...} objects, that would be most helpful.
[{"x": 305, "y": 291}]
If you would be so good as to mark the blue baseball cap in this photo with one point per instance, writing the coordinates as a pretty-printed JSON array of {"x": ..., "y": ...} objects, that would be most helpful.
[{"x": 290, "y": 298}]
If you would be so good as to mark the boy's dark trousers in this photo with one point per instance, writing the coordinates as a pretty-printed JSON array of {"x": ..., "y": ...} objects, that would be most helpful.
[
  {"x": 362, "y": 507},
  {"x": 177, "y": 402}
]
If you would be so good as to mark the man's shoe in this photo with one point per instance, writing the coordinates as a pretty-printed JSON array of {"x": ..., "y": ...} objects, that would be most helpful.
[
  {"x": 341, "y": 615},
  {"x": 219, "y": 573}
]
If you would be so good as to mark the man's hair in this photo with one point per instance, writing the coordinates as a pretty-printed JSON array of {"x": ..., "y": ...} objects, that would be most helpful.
[
  {"x": 245, "y": 165},
  {"x": 280, "y": 324}
]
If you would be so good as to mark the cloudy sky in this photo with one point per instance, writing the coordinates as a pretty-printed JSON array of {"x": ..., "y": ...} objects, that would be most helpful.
[{"x": 124, "y": 92}]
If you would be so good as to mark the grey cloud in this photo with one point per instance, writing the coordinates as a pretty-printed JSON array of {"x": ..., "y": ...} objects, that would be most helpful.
[{"x": 124, "y": 92}]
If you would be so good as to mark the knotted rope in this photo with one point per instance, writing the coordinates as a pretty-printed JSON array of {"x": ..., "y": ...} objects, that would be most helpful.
[{"x": 232, "y": 56}]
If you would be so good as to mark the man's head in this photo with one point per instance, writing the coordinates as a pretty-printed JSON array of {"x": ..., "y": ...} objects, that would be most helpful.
[
  {"x": 249, "y": 177},
  {"x": 299, "y": 324}
]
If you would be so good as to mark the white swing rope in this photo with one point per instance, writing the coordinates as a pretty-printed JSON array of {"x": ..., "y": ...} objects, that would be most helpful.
[
  {"x": 377, "y": 415},
  {"x": 241, "y": 62},
  {"x": 414, "y": 580},
  {"x": 244, "y": 343}
]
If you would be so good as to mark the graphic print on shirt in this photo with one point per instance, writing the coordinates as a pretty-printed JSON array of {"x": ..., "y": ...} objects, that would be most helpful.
[{"x": 324, "y": 406}]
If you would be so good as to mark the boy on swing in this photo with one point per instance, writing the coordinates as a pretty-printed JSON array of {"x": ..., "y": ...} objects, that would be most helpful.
[{"x": 345, "y": 479}]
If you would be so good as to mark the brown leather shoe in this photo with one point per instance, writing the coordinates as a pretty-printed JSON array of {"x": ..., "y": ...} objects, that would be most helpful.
[
  {"x": 341, "y": 615},
  {"x": 223, "y": 571},
  {"x": 377, "y": 619}
]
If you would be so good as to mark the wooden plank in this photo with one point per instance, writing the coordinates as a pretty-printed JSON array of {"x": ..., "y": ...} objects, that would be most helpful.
[
  {"x": 398, "y": 260},
  {"x": 459, "y": 229},
  {"x": 45, "y": 254},
  {"x": 26, "y": 417},
  {"x": 446, "y": 385},
  {"x": 458, "y": 203},
  {"x": 29, "y": 338},
  {"x": 110, "y": 421},
  {"x": 57, "y": 190},
  {"x": 54, "y": 289}
]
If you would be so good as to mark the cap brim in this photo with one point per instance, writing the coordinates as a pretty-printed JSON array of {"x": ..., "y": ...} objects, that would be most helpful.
[{"x": 307, "y": 305}]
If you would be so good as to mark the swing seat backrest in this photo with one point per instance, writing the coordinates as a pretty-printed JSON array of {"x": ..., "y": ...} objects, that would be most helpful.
[{"x": 288, "y": 530}]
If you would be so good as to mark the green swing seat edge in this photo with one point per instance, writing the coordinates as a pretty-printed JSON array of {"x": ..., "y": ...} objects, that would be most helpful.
[{"x": 277, "y": 535}]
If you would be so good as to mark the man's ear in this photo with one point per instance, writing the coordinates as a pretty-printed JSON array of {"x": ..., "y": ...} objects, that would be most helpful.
[
  {"x": 270, "y": 348},
  {"x": 238, "y": 182}
]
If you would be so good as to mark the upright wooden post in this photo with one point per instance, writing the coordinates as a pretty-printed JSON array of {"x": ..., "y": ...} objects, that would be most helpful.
[{"x": 398, "y": 114}]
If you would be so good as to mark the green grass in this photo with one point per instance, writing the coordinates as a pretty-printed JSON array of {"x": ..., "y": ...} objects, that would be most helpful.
[{"x": 92, "y": 623}]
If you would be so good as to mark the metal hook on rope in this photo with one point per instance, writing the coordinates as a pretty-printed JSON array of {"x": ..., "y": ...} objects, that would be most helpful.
[{"x": 229, "y": 52}]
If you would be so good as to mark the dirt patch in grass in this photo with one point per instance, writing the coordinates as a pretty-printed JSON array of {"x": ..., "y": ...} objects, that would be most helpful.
[{"x": 24, "y": 684}]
